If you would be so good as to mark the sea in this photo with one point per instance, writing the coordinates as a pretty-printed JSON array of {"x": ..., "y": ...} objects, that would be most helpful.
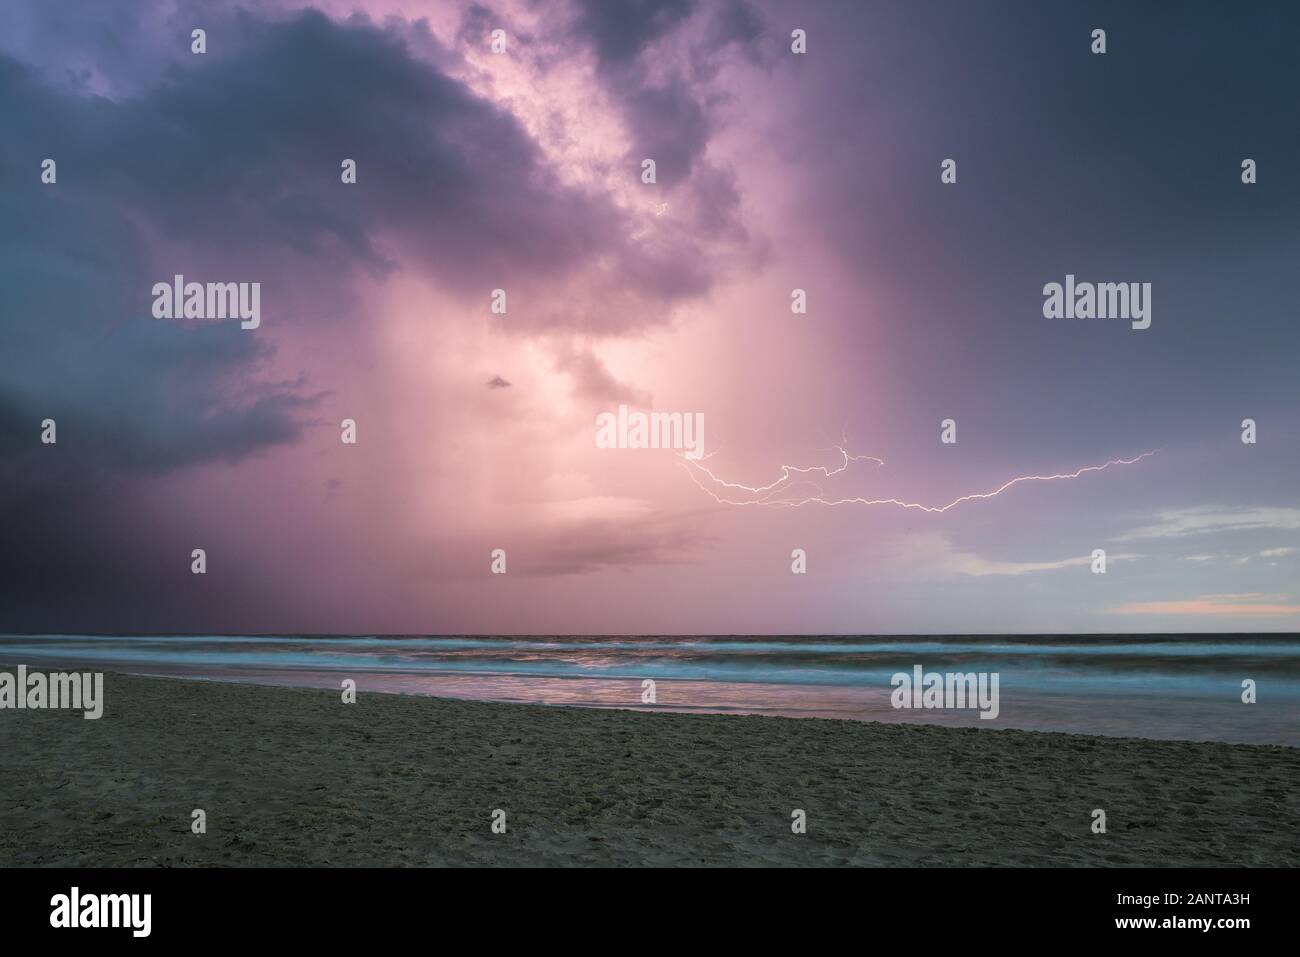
[{"x": 1168, "y": 686}]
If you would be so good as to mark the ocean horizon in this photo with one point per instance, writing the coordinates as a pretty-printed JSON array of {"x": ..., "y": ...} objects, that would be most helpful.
[{"x": 1169, "y": 686}]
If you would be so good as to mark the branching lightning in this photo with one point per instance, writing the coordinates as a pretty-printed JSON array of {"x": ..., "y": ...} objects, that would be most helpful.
[{"x": 795, "y": 488}]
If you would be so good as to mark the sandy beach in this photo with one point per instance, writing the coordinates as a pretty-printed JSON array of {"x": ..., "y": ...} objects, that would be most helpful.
[{"x": 295, "y": 777}]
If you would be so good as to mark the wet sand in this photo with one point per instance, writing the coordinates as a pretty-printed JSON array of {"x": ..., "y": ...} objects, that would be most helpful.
[{"x": 292, "y": 776}]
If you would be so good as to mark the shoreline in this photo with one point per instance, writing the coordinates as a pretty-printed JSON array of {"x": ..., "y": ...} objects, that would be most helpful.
[
  {"x": 294, "y": 777},
  {"x": 1194, "y": 698}
]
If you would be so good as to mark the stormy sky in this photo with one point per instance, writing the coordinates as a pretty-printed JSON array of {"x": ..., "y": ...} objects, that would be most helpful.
[{"x": 522, "y": 171}]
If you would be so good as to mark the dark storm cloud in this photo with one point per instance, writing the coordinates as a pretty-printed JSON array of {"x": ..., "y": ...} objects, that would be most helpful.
[
  {"x": 110, "y": 46},
  {"x": 236, "y": 161},
  {"x": 126, "y": 391},
  {"x": 666, "y": 104},
  {"x": 477, "y": 23},
  {"x": 733, "y": 25},
  {"x": 620, "y": 31},
  {"x": 735, "y": 22},
  {"x": 227, "y": 167},
  {"x": 667, "y": 123},
  {"x": 248, "y": 148}
]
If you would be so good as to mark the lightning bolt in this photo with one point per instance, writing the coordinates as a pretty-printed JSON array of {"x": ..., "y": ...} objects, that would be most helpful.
[{"x": 785, "y": 491}]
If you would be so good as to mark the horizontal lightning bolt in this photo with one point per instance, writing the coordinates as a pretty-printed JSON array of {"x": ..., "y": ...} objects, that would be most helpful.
[{"x": 784, "y": 492}]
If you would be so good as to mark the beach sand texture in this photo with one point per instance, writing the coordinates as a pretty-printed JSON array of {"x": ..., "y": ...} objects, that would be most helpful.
[{"x": 295, "y": 777}]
